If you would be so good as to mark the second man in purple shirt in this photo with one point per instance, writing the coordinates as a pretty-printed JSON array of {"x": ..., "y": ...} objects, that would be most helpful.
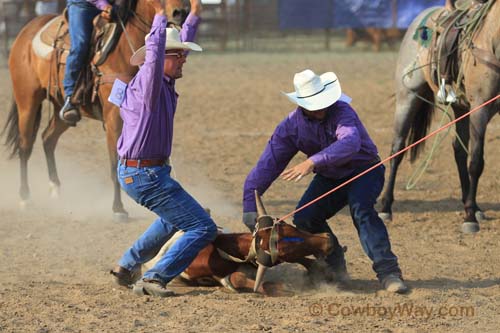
[{"x": 328, "y": 131}]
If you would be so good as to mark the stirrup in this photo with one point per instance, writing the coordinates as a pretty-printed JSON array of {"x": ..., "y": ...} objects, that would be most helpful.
[
  {"x": 451, "y": 97},
  {"x": 441, "y": 94},
  {"x": 69, "y": 107}
]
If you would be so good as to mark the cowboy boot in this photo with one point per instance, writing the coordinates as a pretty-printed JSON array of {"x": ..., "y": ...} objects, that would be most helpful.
[
  {"x": 151, "y": 287},
  {"x": 125, "y": 277},
  {"x": 394, "y": 283},
  {"x": 69, "y": 112}
]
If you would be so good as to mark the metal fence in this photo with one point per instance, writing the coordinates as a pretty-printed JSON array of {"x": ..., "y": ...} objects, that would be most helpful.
[{"x": 227, "y": 25}]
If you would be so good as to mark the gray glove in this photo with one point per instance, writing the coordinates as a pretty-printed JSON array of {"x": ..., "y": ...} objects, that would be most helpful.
[{"x": 249, "y": 219}]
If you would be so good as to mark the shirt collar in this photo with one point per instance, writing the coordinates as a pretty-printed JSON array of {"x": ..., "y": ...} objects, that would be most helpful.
[
  {"x": 170, "y": 82},
  {"x": 314, "y": 121}
]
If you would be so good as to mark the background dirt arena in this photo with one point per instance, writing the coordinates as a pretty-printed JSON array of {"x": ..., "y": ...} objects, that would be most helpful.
[{"x": 55, "y": 256}]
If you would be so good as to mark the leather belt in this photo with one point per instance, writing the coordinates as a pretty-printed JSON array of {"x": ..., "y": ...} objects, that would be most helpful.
[
  {"x": 142, "y": 163},
  {"x": 375, "y": 160}
]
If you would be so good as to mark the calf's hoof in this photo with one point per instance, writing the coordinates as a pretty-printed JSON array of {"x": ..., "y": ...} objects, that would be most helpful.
[
  {"x": 125, "y": 278},
  {"x": 470, "y": 227},
  {"x": 151, "y": 288}
]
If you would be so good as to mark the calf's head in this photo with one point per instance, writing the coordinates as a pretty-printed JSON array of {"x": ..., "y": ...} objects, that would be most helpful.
[{"x": 278, "y": 242}]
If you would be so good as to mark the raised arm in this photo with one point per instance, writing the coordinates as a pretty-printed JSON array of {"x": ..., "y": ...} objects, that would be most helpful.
[
  {"x": 190, "y": 26},
  {"x": 148, "y": 80}
]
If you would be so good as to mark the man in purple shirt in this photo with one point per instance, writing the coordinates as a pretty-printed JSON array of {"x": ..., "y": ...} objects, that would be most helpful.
[
  {"x": 144, "y": 147},
  {"x": 328, "y": 131},
  {"x": 81, "y": 13}
]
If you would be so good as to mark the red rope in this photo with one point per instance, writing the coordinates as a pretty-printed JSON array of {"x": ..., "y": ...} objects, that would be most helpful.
[{"x": 389, "y": 158}]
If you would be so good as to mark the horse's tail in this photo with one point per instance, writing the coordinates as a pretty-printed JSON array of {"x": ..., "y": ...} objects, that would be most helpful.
[
  {"x": 11, "y": 129},
  {"x": 419, "y": 128}
]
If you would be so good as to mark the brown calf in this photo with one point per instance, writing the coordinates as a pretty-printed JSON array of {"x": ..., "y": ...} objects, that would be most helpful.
[{"x": 272, "y": 243}]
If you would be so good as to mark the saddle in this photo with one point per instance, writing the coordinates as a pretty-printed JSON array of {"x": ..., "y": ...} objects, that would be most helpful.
[
  {"x": 104, "y": 38},
  {"x": 446, "y": 33}
]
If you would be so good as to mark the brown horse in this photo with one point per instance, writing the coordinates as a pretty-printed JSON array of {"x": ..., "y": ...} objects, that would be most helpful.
[
  {"x": 31, "y": 75},
  {"x": 479, "y": 61}
]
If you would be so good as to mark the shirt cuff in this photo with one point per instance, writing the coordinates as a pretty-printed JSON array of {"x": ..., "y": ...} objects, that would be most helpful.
[
  {"x": 317, "y": 160},
  {"x": 101, "y": 4},
  {"x": 158, "y": 21},
  {"x": 249, "y": 206},
  {"x": 192, "y": 20}
]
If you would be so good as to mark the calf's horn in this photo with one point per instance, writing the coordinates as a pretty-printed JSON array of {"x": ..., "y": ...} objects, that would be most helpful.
[
  {"x": 258, "y": 278},
  {"x": 263, "y": 220},
  {"x": 260, "y": 206}
]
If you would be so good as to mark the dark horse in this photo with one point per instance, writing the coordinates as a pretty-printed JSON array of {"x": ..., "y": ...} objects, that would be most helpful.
[
  {"x": 31, "y": 74},
  {"x": 479, "y": 61}
]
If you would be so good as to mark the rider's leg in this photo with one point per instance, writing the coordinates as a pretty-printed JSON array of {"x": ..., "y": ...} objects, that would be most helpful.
[{"x": 80, "y": 16}]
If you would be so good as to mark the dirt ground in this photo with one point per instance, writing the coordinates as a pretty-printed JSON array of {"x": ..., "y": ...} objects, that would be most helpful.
[{"x": 56, "y": 254}]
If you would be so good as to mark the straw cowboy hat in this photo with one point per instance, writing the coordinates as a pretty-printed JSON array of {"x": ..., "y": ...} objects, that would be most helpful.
[
  {"x": 173, "y": 42},
  {"x": 315, "y": 92}
]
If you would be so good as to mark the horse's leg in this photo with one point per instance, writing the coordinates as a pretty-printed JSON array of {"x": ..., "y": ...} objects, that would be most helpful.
[
  {"x": 113, "y": 125},
  {"x": 350, "y": 37},
  {"x": 462, "y": 138},
  {"x": 50, "y": 136},
  {"x": 28, "y": 95},
  {"x": 478, "y": 123},
  {"x": 407, "y": 106},
  {"x": 411, "y": 111},
  {"x": 376, "y": 37},
  {"x": 29, "y": 113}
]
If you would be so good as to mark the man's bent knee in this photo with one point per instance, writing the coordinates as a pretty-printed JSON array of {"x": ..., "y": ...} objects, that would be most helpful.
[
  {"x": 308, "y": 225},
  {"x": 210, "y": 231}
]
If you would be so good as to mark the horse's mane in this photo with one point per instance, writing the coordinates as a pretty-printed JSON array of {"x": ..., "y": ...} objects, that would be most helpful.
[{"x": 125, "y": 9}]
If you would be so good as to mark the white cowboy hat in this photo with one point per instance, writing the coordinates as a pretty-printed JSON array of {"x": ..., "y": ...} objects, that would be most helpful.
[
  {"x": 173, "y": 42},
  {"x": 313, "y": 92}
]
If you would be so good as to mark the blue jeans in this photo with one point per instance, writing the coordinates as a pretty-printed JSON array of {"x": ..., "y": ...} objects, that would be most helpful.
[
  {"x": 153, "y": 188},
  {"x": 361, "y": 196},
  {"x": 80, "y": 15}
]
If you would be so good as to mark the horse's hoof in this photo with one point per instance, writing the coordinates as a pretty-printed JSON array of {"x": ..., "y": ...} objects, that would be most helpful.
[
  {"x": 480, "y": 216},
  {"x": 120, "y": 217},
  {"x": 470, "y": 227},
  {"x": 54, "y": 190},
  {"x": 386, "y": 217},
  {"x": 24, "y": 204}
]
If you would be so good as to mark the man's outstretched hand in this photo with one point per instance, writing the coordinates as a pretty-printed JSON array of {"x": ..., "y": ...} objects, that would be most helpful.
[
  {"x": 299, "y": 171},
  {"x": 196, "y": 7}
]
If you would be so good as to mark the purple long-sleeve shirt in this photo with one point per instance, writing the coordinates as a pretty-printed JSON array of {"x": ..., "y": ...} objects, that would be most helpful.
[
  {"x": 337, "y": 145},
  {"x": 101, "y": 4},
  {"x": 150, "y": 99}
]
